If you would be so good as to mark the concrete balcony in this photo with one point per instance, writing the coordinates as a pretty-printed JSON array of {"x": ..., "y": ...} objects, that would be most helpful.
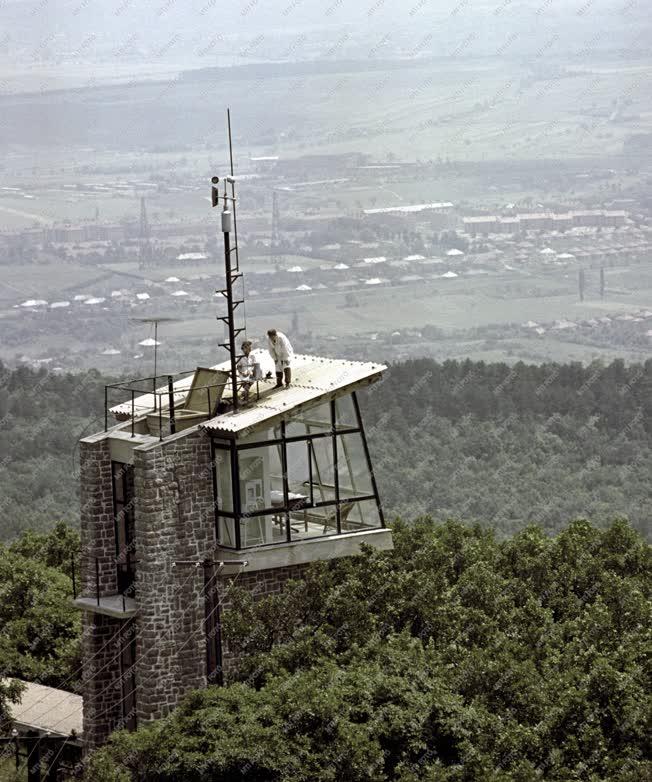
[{"x": 117, "y": 606}]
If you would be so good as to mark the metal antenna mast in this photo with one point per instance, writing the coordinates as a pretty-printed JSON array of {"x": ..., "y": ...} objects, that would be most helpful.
[{"x": 232, "y": 273}]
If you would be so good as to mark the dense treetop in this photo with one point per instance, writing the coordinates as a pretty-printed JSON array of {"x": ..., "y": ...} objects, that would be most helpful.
[
  {"x": 455, "y": 658},
  {"x": 39, "y": 627},
  {"x": 506, "y": 445},
  {"x": 509, "y": 446}
]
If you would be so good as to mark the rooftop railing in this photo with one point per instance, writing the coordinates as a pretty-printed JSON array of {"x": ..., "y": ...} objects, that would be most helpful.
[
  {"x": 98, "y": 594},
  {"x": 166, "y": 400}
]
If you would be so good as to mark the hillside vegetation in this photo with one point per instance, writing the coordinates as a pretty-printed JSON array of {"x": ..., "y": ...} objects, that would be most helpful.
[
  {"x": 514, "y": 445},
  {"x": 504, "y": 445},
  {"x": 456, "y": 658}
]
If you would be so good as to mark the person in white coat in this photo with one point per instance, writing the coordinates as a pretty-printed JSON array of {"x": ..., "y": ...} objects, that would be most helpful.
[
  {"x": 280, "y": 349},
  {"x": 246, "y": 369}
]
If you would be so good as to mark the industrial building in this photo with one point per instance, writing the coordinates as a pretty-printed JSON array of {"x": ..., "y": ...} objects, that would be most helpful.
[{"x": 544, "y": 221}]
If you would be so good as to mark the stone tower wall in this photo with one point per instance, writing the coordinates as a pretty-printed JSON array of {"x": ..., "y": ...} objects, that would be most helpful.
[
  {"x": 97, "y": 522},
  {"x": 174, "y": 521},
  {"x": 101, "y": 676}
]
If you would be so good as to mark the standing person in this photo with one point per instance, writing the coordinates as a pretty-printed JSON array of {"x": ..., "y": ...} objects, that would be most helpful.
[
  {"x": 246, "y": 369},
  {"x": 281, "y": 351}
]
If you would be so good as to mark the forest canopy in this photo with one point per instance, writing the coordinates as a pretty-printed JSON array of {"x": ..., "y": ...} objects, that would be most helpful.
[
  {"x": 504, "y": 445},
  {"x": 456, "y": 658}
]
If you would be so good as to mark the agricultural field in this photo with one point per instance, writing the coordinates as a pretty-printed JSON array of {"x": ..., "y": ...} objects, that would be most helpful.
[{"x": 464, "y": 309}]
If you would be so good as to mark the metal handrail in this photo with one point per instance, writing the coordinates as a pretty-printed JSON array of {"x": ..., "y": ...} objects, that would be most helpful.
[
  {"x": 158, "y": 405},
  {"x": 98, "y": 595}
]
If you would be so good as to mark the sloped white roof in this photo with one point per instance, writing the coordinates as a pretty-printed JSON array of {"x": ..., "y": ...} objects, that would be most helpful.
[
  {"x": 192, "y": 257},
  {"x": 409, "y": 208},
  {"x": 48, "y": 709},
  {"x": 314, "y": 379},
  {"x": 34, "y": 303}
]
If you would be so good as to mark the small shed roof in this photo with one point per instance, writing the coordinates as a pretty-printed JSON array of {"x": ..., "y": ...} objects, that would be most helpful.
[{"x": 48, "y": 709}]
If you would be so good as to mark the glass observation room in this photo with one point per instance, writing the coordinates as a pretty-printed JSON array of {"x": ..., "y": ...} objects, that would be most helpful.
[{"x": 304, "y": 477}]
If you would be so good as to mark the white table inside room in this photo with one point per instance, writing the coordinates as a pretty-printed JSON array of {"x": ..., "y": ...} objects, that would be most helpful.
[
  {"x": 296, "y": 502},
  {"x": 258, "y": 530}
]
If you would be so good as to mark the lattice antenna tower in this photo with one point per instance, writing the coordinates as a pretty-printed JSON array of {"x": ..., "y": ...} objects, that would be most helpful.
[{"x": 232, "y": 273}]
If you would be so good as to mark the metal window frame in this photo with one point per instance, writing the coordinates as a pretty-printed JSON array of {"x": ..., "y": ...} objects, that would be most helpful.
[
  {"x": 130, "y": 722},
  {"x": 233, "y": 448},
  {"x": 372, "y": 474},
  {"x": 123, "y": 570}
]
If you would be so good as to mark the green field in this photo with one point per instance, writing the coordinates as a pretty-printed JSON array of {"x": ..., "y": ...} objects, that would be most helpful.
[
  {"x": 328, "y": 321},
  {"x": 477, "y": 110}
]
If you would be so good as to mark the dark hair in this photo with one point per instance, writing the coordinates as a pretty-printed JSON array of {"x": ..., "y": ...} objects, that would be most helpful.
[
  {"x": 271, "y": 332},
  {"x": 246, "y": 342}
]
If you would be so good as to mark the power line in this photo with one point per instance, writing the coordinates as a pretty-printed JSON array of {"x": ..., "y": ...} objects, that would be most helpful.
[{"x": 243, "y": 564}]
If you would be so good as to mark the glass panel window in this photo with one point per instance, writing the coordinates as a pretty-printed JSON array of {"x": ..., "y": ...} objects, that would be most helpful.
[
  {"x": 226, "y": 531},
  {"x": 360, "y": 516},
  {"x": 313, "y": 522},
  {"x": 263, "y": 529},
  {"x": 275, "y": 470},
  {"x": 352, "y": 469},
  {"x": 128, "y": 680},
  {"x": 345, "y": 416},
  {"x": 124, "y": 523},
  {"x": 311, "y": 421},
  {"x": 323, "y": 470},
  {"x": 118, "y": 481},
  {"x": 253, "y": 466},
  {"x": 298, "y": 455},
  {"x": 260, "y": 478},
  {"x": 224, "y": 499}
]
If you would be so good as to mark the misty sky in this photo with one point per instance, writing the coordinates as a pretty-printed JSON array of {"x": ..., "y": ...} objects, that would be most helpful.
[{"x": 50, "y": 44}]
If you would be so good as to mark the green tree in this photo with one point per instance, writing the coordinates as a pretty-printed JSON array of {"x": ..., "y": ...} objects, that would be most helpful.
[
  {"x": 39, "y": 627},
  {"x": 454, "y": 658}
]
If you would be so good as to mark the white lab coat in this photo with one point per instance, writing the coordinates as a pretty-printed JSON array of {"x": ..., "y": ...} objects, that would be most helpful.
[
  {"x": 281, "y": 352},
  {"x": 246, "y": 366}
]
